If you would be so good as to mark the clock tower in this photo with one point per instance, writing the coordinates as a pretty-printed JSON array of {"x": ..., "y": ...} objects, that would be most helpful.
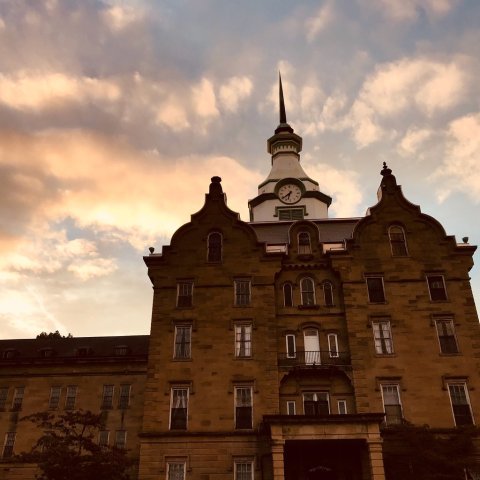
[{"x": 288, "y": 193}]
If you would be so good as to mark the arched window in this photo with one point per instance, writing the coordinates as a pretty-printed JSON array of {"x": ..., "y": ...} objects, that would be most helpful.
[
  {"x": 328, "y": 294},
  {"x": 307, "y": 291},
  {"x": 214, "y": 247},
  {"x": 304, "y": 246},
  {"x": 398, "y": 241},
  {"x": 288, "y": 295}
]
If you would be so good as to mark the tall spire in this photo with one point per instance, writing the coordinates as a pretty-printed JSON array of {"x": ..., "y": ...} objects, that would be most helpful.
[
  {"x": 283, "y": 115},
  {"x": 283, "y": 126}
]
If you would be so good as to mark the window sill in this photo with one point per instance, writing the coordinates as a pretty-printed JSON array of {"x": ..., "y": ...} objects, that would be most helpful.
[
  {"x": 181, "y": 359},
  {"x": 453, "y": 354},
  {"x": 244, "y": 358},
  {"x": 309, "y": 307},
  {"x": 305, "y": 256},
  {"x": 385, "y": 355}
]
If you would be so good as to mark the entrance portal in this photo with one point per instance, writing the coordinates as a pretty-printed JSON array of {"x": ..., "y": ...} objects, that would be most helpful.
[{"x": 323, "y": 459}]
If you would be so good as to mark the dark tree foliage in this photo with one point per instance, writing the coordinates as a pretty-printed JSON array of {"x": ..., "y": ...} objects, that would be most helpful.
[
  {"x": 420, "y": 453},
  {"x": 55, "y": 334},
  {"x": 67, "y": 449}
]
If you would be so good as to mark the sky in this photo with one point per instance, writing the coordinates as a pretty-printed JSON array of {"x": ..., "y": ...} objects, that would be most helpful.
[{"x": 114, "y": 115}]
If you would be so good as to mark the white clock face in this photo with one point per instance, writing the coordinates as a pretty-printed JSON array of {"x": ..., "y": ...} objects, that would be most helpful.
[{"x": 289, "y": 193}]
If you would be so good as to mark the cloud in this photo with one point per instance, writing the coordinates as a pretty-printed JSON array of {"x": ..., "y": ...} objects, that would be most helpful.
[
  {"x": 234, "y": 91},
  {"x": 459, "y": 171},
  {"x": 410, "y": 10},
  {"x": 412, "y": 140},
  {"x": 204, "y": 99},
  {"x": 119, "y": 17},
  {"x": 36, "y": 90},
  {"x": 319, "y": 21},
  {"x": 422, "y": 85}
]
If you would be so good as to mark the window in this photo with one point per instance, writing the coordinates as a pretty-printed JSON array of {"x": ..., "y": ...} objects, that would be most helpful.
[
  {"x": 342, "y": 407},
  {"x": 243, "y": 407},
  {"x": 291, "y": 347},
  {"x": 243, "y": 340},
  {"x": 121, "y": 350},
  {"x": 290, "y": 213},
  {"x": 307, "y": 291},
  {"x": 392, "y": 405},
  {"x": 184, "y": 294},
  {"x": 328, "y": 294},
  {"x": 316, "y": 403},
  {"x": 304, "y": 247},
  {"x": 398, "y": 242},
  {"x": 376, "y": 293},
  {"x": 436, "y": 287},
  {"x": 382, "y": 337},
  {"x": 47, "y": 352},
  {"x": 446, "y": 335},
  {"x": 243, "y": 470},
  {"x": 3, "y": 397},
  {"x": 107, "y": 397},
  {"x": 332, "y": 345},
  {"x": 9, "y": 444},
  {"x": 179, "y": 408},
  {"x": 124, "y": 398},
  {"x": 214, "y": 248},
  {"x": 291, "y": 407},
  {"x": 84, "y": 351},
  {"x": 70, "y": 397},
  {"x": 312, "y": 347},
  {"x": 9, "y": 354},
  {"x": 18, "y": 398},
  {"x": 120, "y": 439},
  {"x": 103, "y": 438},
  {"x": 183, "y": 341},
  {"x": 176, "y": 470},
  {"x": 242, "y": 292},
  {"x": 288, "y": 295},
  {"x": 55, "y": 393},
  {"x": 462, "y": 412}
]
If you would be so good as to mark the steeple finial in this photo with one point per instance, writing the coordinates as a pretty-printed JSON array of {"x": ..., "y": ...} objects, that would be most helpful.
[{"x": 283, "y": 115}]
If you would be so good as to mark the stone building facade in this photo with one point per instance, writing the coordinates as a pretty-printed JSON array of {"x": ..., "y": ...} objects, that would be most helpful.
[{"x": 281, "y": 347}]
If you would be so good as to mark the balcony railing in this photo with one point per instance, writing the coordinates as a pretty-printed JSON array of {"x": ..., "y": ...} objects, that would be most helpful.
[{"x": 302, "y": 358}]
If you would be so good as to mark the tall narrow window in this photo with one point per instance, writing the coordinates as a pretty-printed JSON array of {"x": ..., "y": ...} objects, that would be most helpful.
[
  {"x": 243, "y": 407},
  {"x": 9, "y": 444},
  {"x": 71, "y": 397},
  {"x": 332, "y": 345},
  {"x": 312, "y": 347},
  {"x": 183, "y": 342},
  {"x": 382, "y": 337},
  {"x": 307, "y": 291},
  {"x": 316, "y": 403},
  {"x": 3, "y": 397},
  {"x": 124, "y": 398},
  {"x": 328, "y": 294},
  {"x": 103, "y": 438},
  {"x": 214, "y": 253},
  {"x": 436, "y": 287},
  {"x": 462, "y": 413},
  {"x": 398, "y": 242},
  {"x": 107, "y": 397},
  {"x": 288, "y": 295},
  {"x": 243, "y": 470},
  {"x": 179, "y": 408},
  {"x": 184, "y": 294},
  {"x": 18, "y": 398},
  {"x": 392, "y": 405},
  {"x": 120, "y": 439},
  {"x": 291, "y": 347},
  {"x": 446, "y": 335},
  {"x": 304, "y": 246},
  {"x": 243, "y": 340},
  {"x": 342, "y": 407},
  {"x": 376, "y": 292},
  {"x": 242, "y": 292},
  {"x": 55, "y": 393},
  {"x": 291, "y": 407},
  {"x": 176, "y": 470}
]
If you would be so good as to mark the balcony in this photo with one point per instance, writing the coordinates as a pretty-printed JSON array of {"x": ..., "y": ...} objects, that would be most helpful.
[{"x": 313, "y": 359}]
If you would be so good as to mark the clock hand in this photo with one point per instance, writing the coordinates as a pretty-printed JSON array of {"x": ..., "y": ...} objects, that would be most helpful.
[{"x": 287, "y": 195}]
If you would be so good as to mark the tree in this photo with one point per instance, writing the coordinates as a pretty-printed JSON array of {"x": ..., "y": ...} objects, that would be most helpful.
[
  {"x": 55, "y": 334},
  {"x": 67, "y": 449},
  {"x": 421, "y": 453}
]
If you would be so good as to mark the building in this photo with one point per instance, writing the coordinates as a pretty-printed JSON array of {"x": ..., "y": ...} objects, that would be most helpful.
[{"x": 281, "y": 347}]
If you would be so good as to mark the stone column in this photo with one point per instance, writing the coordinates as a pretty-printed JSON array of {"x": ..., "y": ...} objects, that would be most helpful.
[
  {"x": 376, "y": 459},
  {"x": 278, "y": 461}
]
